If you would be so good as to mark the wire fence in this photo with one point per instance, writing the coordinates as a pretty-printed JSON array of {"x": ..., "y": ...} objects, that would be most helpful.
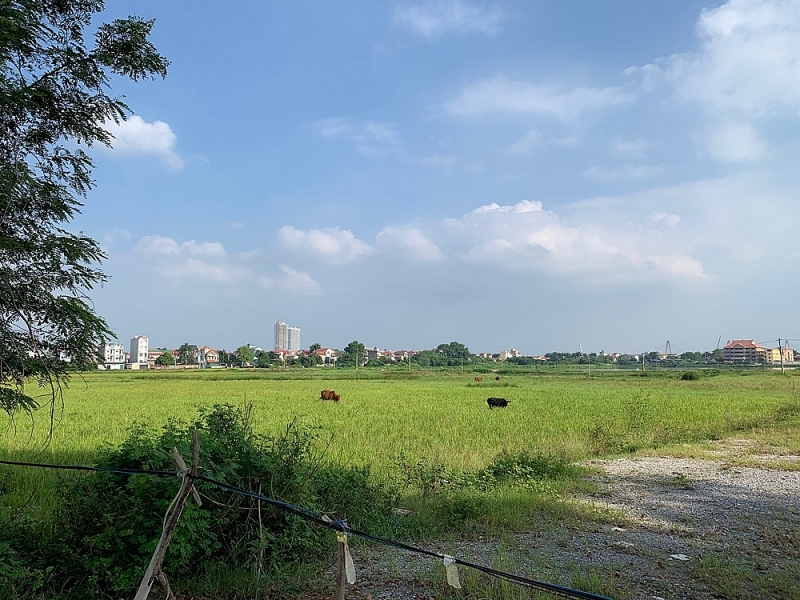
[{"x": 346, "y": 570}]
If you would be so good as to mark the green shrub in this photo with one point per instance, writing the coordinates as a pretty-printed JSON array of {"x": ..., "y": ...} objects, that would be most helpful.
[
  {"x": 691, "y": 376},
  {"x": 107, "y": 525}
]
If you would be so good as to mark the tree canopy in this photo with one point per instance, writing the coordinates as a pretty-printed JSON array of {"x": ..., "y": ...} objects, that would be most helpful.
[
  {"x": 54, "y": 103},
  {"x": 352, "y": 355}
]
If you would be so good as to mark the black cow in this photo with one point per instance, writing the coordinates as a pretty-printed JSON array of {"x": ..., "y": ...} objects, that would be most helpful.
[{"x": 497, "y": 402}]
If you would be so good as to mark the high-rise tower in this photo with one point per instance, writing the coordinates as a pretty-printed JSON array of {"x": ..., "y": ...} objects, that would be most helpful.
[{"x": 287, "y": 337}]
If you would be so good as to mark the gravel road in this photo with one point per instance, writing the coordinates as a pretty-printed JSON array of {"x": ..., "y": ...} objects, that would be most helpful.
[{"x": 686, "y": 529}]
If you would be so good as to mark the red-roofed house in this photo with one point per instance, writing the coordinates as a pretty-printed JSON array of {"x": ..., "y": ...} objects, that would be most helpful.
[
  {"x": 743, "y": 351},
  {"x": 206, "y": 357}
]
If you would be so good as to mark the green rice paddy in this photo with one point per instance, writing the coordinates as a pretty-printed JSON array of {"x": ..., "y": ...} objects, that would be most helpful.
[{"x": 441, "y": 417}]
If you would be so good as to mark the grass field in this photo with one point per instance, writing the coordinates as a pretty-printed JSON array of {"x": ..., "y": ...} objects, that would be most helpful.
[
  {"x": 440, "y": 417},
  {"x": 439, "y": 422}
]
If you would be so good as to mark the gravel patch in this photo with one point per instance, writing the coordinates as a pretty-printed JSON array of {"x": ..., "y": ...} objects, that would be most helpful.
[{"x": 677, "y": 529}]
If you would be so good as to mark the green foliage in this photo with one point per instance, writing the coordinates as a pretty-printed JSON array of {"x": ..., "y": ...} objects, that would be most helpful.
[
  {"x": 444, "y": 355},
  {"x": 186, "y": 354},
  {"x": 244, "y": 355},
  {"x": 106, "y": 525},
  {"x": 166, "y": 359},
  {"x": 691, "y": 376},
  {"x": 531, "y": 472},
  {"x": 352, "y": 355},
  {"x": 53, "y": 94}
]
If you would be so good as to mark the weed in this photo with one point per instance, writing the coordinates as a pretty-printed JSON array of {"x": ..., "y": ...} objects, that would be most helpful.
[{"x": 682, "y": 481}]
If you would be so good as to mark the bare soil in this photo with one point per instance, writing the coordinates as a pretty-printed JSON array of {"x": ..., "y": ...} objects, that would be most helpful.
[{"x": 668, "y": 528}]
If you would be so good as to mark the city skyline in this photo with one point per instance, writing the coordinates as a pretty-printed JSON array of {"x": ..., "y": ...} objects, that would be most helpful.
[
  {"x": 501, "y": 173},
  {"x": 666, "y": 348}
]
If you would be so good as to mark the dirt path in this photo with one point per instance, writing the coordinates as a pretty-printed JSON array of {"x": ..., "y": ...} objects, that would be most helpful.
[{"x": 687, "y": 529}]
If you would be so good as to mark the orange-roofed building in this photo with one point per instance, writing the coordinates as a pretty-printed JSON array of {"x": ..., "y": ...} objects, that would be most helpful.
[{"x": 743, "y": 351}]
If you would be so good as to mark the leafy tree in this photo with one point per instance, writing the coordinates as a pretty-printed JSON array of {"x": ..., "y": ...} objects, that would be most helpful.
[
  {"x": 186, "y": 354},
  {"x": 261, "y": 359},
  {"x": 430, "y": 358},
  {"x": 165, "y": 359},
  {"x": 352, "y": 355},
  {"x": 455, "y": 352},
  {"x": 225, "y": 358},
  {"x": 53, "y": 104},
  {"x": 522, "y": 361},
  {"x": 313, "y": 358},
  {"x": 244, "y": 355}
]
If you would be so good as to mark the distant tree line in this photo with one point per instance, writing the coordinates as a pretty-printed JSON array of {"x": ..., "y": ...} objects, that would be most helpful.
[{"x": 452, "y": 354}]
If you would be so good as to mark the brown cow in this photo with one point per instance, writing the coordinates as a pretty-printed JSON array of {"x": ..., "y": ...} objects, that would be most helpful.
[
  {"x": 479, "y": 379},
  {"x": 329, "y": 395}
]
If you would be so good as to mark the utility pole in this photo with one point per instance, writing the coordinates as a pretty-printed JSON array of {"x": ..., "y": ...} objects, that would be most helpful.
[{"x": 780, "y": 351}]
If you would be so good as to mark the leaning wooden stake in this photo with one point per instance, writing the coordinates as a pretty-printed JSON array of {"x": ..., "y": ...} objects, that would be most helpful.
[{"x": 187, "y": 487}]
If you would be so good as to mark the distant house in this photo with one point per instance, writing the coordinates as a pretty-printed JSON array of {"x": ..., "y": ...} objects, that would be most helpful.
[
  {"x": 206, "y": 357},
  {"x": 744, "y": 351},
  {"x": 403, "y": 355},
  {"x": 140, "y": 346},
  {"x": 326, "y": 355},
  {"x": 152, "y": 357},
  {"x": 778, "y": 355},
  {"x": 113, "y": 357}
]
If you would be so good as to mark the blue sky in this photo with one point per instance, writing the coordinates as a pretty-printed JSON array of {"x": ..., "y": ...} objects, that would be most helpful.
[{"x": 532, "y": 174}]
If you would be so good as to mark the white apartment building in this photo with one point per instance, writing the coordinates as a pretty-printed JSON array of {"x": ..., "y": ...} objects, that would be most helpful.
[
  {"x": 293, "y": 339},
  {"x": 113, "y": 356},
  {"x": 140, "y": 346},
  {"x": 287, "y": 337}
]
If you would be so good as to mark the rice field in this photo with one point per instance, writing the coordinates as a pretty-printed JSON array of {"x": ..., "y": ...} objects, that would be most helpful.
[{"x": 441, "y": 417}]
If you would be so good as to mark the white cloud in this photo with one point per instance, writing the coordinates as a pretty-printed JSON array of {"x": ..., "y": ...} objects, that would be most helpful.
[
  {"x": 374, "y": 139},
  {"x": 504, "y": 95},
  {"x": 527, "y": 143},
  {"x": 158, "y": 244},
  {"x": 628, "y": 148},
  {"x": 116, "y": 235},
  {"x": 570, "y": 141},
  {"x": 525, "y": 237},
  {"x": 736, "y": 142},
  {"x": 332, "y": 245},
  {"x": 623, "y": 173},
  {"x": 669, "y": 219},
  {"x": 437, "y": 160},
  {"x": 749, "y": 61},
  {"x": 434, "y": 18},
  {"x": 191, "y": 264},
  {"x": 331, "y": 127},
  {"x": 297, "y": 281},
  {"x": 408, "y": 243},
  {"x": 194, "y": 260},
  {"x": 137, "y": 136}
]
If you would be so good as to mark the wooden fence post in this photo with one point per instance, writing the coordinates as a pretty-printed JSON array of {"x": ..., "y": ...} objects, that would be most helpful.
[
  {"x": 341, "y": 575},
  {"x": 153, "y": 571}
]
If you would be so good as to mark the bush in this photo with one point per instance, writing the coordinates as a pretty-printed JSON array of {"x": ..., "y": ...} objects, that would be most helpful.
[
  {"x": 108, "y": 525},
  {"x": 691, "y": 376}
]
